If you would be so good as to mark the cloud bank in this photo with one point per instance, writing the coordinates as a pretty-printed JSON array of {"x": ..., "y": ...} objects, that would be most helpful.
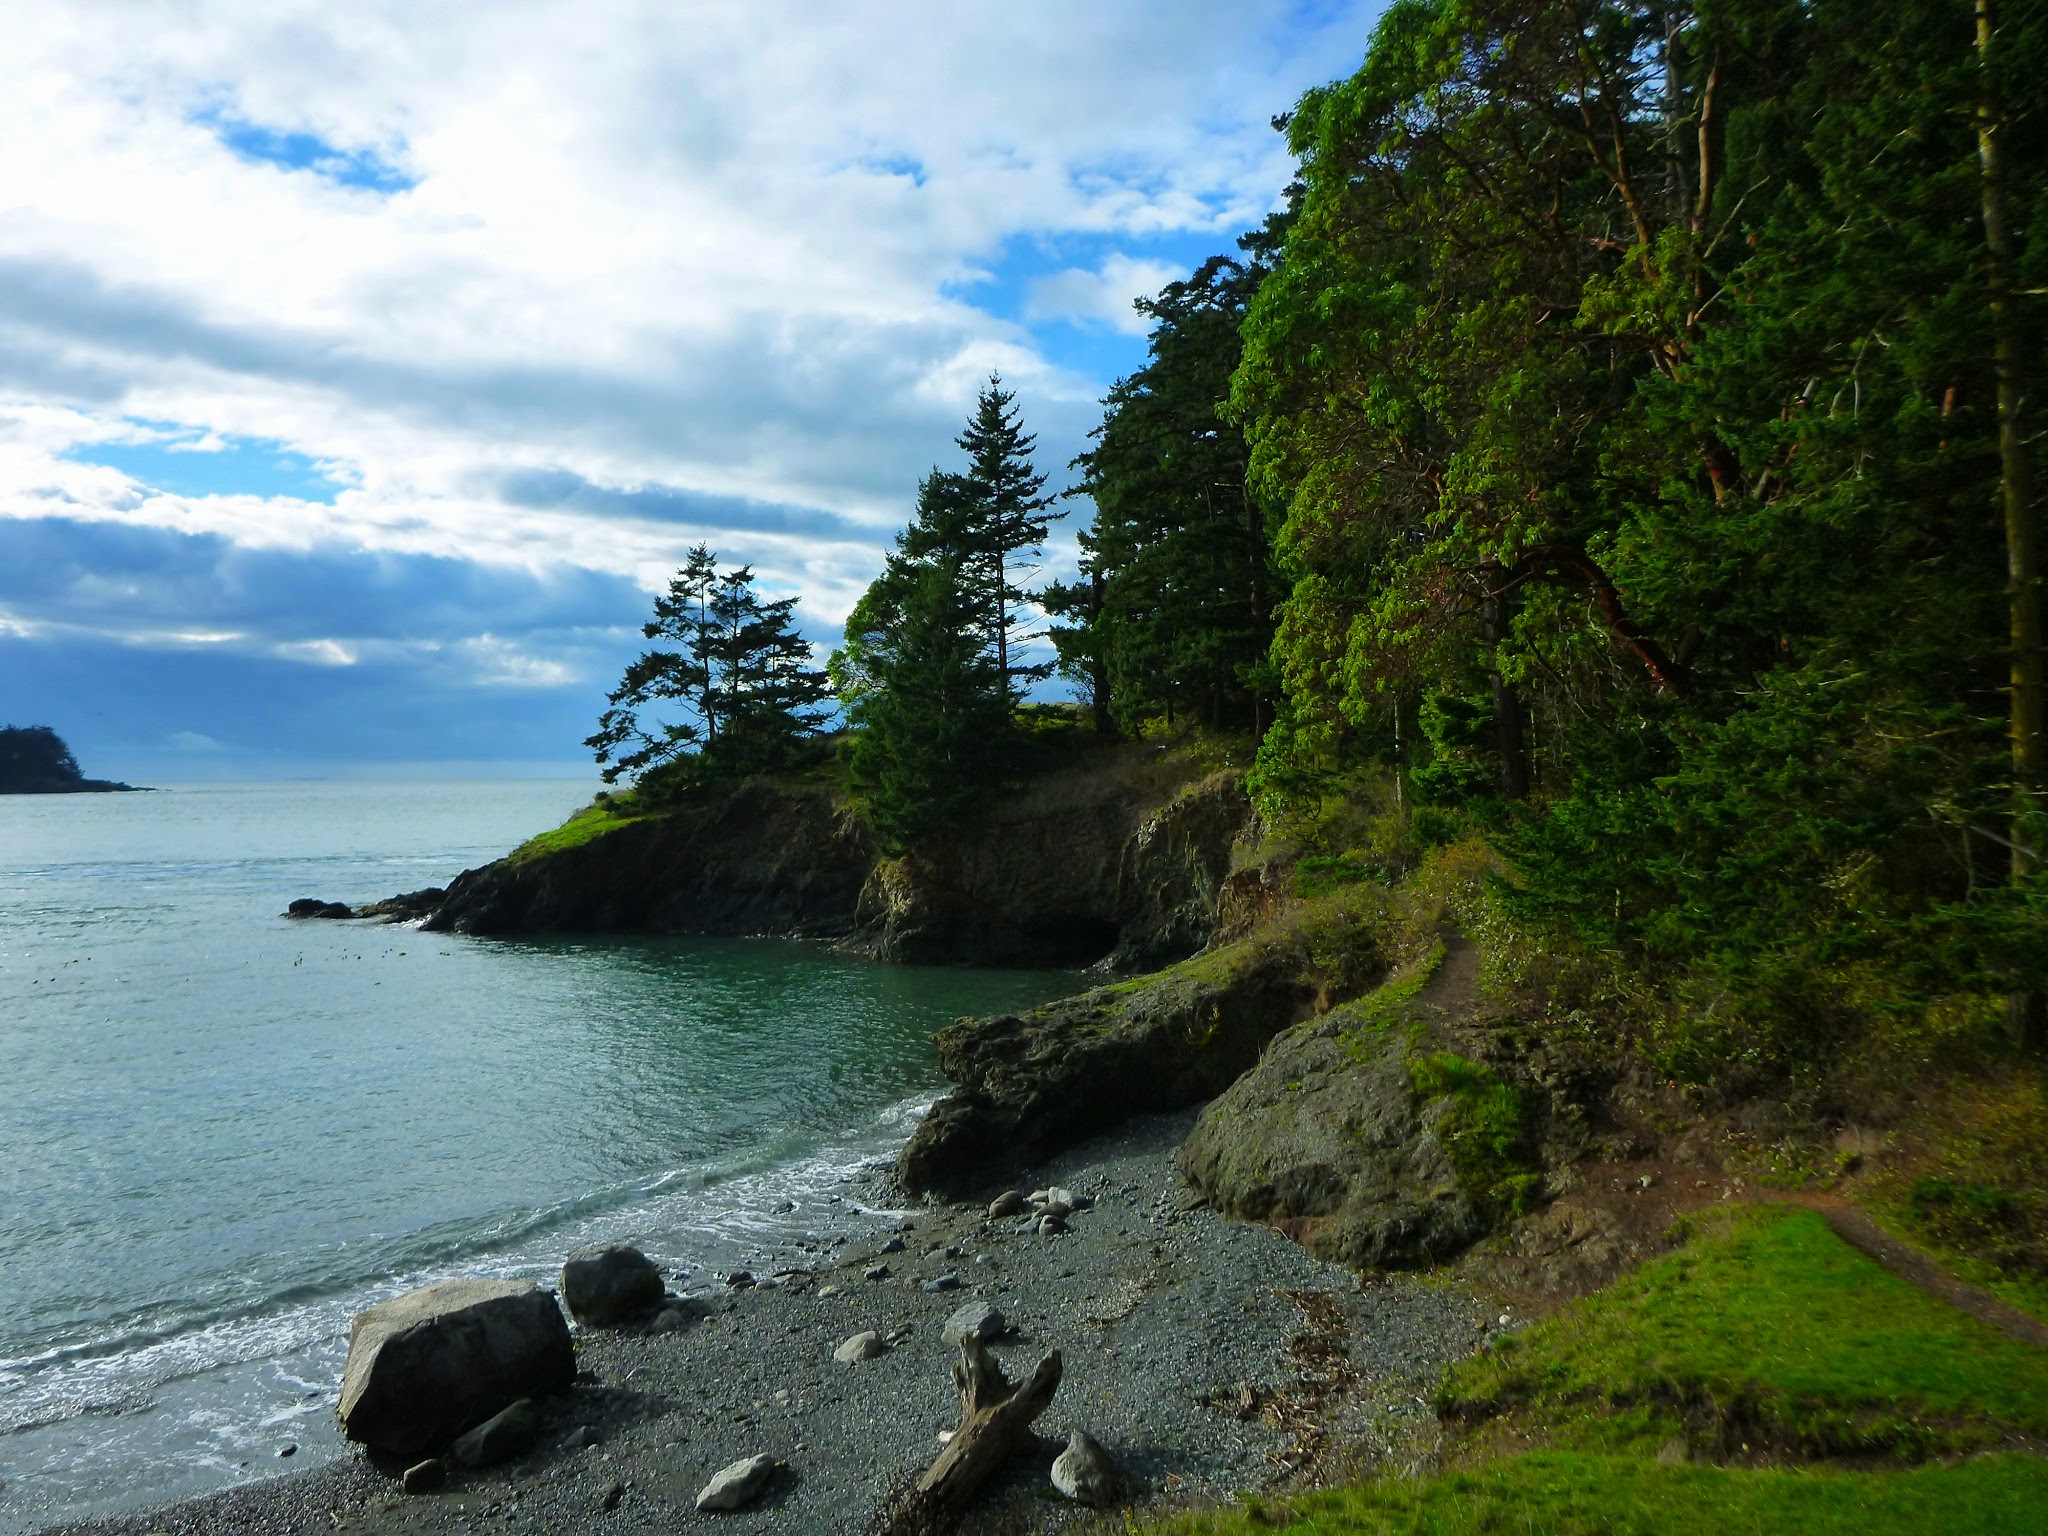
[{"x": 399, "y": 336}]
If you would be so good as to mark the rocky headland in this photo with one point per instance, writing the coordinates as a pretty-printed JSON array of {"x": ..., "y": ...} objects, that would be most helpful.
[{"x": 35, "y": 761}]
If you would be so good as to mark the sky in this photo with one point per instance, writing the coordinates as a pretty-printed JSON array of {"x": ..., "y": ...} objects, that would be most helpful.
[{"x": 365, "y": 369}]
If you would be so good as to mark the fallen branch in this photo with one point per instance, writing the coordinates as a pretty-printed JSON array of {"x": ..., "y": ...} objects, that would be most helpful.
[{"x": 995, "y": 1421}]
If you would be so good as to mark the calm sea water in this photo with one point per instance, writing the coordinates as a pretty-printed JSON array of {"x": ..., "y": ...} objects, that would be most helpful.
[{"x": 221, "y": 1132}]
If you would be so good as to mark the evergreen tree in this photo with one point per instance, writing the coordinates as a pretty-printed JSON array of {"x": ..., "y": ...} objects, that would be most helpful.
[
  {"x": 1173, "y": 612},
  {"x": 740, "y": 678},
  {"x": 1003, "y": 536}
]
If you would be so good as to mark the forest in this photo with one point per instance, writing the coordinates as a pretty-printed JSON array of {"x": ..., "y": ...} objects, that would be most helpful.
[{"x": 1616, "y": 454}]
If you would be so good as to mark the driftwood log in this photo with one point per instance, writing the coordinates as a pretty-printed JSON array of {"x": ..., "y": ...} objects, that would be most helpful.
[{"x": 995, "y": 1421}]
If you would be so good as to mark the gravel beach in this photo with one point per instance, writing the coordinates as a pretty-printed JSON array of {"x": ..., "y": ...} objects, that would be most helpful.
[{"x": 1208, "y": 1357}]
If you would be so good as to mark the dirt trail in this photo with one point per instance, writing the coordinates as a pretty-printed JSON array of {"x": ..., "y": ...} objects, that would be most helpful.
[{"x": 1855, "y": 1228}]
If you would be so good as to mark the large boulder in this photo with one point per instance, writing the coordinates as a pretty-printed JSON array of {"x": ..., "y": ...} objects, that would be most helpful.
[
  {"x": 612, "y": 1284},
  {"x": 425, "y": 1366},
  {"x": 1028, "y": 1085}
]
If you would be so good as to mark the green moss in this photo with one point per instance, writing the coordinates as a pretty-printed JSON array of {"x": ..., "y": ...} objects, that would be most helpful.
[
  {"x": 1559, "y": 1493},
  {"x": 1766, "y": 1327},
  {"x": 1483, "y": 1128},
  {"x": 605, "y": 814}
]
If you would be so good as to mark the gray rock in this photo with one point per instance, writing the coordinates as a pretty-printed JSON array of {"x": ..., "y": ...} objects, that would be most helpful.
[
  {"x": 737, "y": 1486},
  {"x": 1051, "y": 1226},
  {"x": 862, "y": 1346},
  {"x": 425, "y": 1366},
  {"x": 499, "y": 1438},
  {"x": 582, "y": 1438},
  {"x": 875, "y": 1272},
  {"x": 894, "y": 1245},
  {"x": 1083, "y": 1471},
  {"x": 424, "y": 1476},
  {"x": 1058, "y": 1208},
  {"x": 1060, "y": 1195},
  {"x": 977, "y": 1320},
  {"x": 1008, "y": 1203},
  {"x": 614, "y": 1491},
  {"x": 942, "y": 1283},
  {"x": 739, "y": 1280},
  {"x": 609, "y": 1285},
  {"x": 670, "y": 1320},
  {"x": 1328, "y": 1134}
]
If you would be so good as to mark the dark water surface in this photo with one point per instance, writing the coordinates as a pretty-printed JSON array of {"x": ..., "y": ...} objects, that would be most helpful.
[{"x": 221, "y": 1132}]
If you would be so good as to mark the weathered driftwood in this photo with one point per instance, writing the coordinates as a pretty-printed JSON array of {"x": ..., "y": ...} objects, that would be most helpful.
[{"x": 995, "y": 1421}]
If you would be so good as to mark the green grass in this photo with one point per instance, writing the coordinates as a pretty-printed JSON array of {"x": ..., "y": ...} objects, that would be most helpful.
[
  {"x": 1766, "y": 1327},
  {"x": 1563, "y": 1493},
  {"x": 1484, "y": 1129},
  {"x": 593, "y": 821}
]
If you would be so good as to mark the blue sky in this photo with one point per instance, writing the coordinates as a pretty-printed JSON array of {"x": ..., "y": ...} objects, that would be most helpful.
[{"x": 363, "y": 371}]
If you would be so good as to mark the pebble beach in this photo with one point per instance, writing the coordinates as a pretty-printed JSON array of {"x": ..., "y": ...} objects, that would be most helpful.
[{"x": 1209, "y": 1358}]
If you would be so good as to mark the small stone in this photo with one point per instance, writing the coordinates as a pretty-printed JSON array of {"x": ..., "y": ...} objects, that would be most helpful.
[
  {"x": 739, "y": 1280},
  {"x": 1008, "y": 1203},
  {"x": 737, "y": 1486},
  {"x": 1058, "y": 1208},
  {"x": 827, "y": 1290},
  {"x": 1051, "y": 1226},
  {"x": 290, "y": 1450},
  {"x": 875, "y": 1272},
  {"x": 669, "y": 1320},
  {"x": 894, "y": 1245},
  {"x": 613, "y": 1492},
  {"x": 977, "y": 1320},
  {"x": 581, "y": 1438},
  {"x": 942, "y": 1283},
  {"x": 862, "y": 1346},
  {"x": 1039, "y": 1196},
  {"x": 1058, "y": 1195},
  {"x": 500, "y": 1437},
  {"x": 1083, "y": 1471},
  {"x": 610, "y": 1284},
  {"x": 424, "y": 1476},
  {"x": 952, "y": 1250}
]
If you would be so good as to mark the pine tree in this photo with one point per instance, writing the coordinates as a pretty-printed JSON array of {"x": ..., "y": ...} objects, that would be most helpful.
[
  {"x": 740, "y": 678},
  {"x": 1006, "y": 525}
]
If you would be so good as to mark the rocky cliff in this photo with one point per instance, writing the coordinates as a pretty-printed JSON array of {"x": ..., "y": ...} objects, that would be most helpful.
[{"x": 1121, "y": 854}]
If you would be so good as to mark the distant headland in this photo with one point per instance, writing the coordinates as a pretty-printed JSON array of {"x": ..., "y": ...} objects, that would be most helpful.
[{"x": 35, "y": 761}]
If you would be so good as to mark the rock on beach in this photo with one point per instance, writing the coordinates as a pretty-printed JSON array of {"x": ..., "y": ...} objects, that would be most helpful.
[
  {"x": 425, "y": 1366},
  {"x": 610, "y": 1284},
  {"x": 737, "y": 1486}
]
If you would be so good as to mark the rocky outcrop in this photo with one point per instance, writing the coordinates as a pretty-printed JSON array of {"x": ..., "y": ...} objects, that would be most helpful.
[
  {"x": 1379, "y": 1135},
  {"x": 767, "y": 858},
  {"x": 1028, "y": 1084},
  {"x": 428, "y": 1365},
  {"x": 1120, "y": 853}
]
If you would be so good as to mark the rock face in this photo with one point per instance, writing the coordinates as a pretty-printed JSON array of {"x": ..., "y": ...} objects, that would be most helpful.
[
  {"x": 1122, "y": 852},
  {"x": 605, "y": 1286},
  {"x": 1029, "y": 1084},
  {"x": 425, "y": 1366},
  {"x": 1325, "y": 1138},
  {"x": 766, "y": 858}
]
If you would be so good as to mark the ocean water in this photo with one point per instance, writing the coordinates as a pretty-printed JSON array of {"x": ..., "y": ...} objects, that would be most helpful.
[{"x": 222, "y": 1132}]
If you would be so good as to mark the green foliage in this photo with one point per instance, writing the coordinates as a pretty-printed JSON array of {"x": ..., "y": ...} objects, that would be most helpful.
[
  {"x": 607, "y": 813},
  {"x": 1483, "y": 1128},
  {"x": 1561, "y": 1493},
  {"x": 1172, "y": 617},
  {"x": 1624, "y": 387},
  {"x": 1768, "y": 1328},
  {"x": 740, "y": 679}
]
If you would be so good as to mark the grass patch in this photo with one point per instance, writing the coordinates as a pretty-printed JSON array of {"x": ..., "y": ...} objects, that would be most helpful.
[
  {"x": 1562, "y": 1493},
  {"x": 1766, "y": 1327},
  {"x": 605, "y": 814}
]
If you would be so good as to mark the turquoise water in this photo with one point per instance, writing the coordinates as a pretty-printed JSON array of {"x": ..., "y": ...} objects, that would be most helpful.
[{"x": 222, "y": 1132}]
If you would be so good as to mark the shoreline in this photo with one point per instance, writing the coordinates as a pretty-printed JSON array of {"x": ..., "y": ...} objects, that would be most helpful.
[{"x": 1198, "y": 1352}]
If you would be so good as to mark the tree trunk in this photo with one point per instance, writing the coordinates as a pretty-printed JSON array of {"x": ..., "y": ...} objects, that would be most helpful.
[
  {"x": 2029, "y": 1010},
  {"x": 995, "y": 1421}
]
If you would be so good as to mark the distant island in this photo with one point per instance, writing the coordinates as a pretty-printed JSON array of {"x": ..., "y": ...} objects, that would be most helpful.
[{"x": 35, "y": 761}]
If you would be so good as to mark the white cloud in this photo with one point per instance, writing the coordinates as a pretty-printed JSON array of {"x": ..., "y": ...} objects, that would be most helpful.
[
  {"x": 1105, "y": 296},
  {"x": 723, "y": 248}
]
